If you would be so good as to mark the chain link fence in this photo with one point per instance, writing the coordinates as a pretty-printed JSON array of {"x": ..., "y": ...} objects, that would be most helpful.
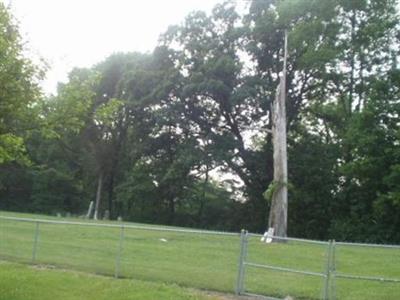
[
  {"x": 308, "y": 269},
  {"x": 220, "y": 261},
  {"x": 193, "y": 258},
  {"x": 367, "y": 269},
  {"x": 287, "y": 267}
]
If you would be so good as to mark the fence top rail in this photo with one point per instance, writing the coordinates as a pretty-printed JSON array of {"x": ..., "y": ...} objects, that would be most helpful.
[
  {"x": 274, "y": 237},
  {"x": 139, "y": 227},
  {"x": 326, "y": 242},
  {"x": 368, "y": 245}
]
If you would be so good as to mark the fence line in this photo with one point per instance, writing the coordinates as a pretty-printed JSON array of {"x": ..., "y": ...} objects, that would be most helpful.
[
  {"x": 368, "y": 245},
  {"x": 210, "y": 232},
  {"x": 279, "y": 238},
  {"x": 329, "y": 275},
  {"x": 329, "y": 287},
  {"x": 240, "y": 290},
  {"x": 139, "y": 227}
]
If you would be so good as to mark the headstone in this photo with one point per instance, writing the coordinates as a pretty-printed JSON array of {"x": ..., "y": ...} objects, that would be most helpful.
[
  {"x": 106, "y": 215},
  {"x": 267, "y": 237},
  {"x": 90, "y": 209}
]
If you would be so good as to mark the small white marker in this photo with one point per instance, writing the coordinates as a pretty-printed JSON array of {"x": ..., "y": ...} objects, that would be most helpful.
[{"x": 267, "y": 237}]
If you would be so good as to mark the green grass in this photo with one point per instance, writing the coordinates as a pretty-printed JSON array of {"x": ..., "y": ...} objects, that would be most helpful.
[
  {"x": 22, "y": 282},
  {"x": 201, "y": 261}
]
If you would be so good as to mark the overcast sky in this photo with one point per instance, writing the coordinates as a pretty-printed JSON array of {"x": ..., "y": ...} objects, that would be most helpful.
[{"x": 80, "y": 33}]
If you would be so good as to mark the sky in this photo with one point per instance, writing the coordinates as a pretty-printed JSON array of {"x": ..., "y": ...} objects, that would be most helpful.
[{"x": 80, "y": 33}]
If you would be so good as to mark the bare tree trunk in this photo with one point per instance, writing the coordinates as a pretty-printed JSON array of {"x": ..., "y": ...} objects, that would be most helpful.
[
  {"x": 171, "y": 207},
  {"x": 90, "y": 210},
  {"x": 279, "y": 205},
  {"x": 203, "y": 197},
  {"x": 98, "y": 195}
]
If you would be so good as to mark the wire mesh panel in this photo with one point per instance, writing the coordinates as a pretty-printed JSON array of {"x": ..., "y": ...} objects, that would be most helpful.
[
  {"x": 217, "y": 261},
  {"x": 197, "y": 260},
  {"x": 286, "y": 267},
  {"x": 280, "y": 284},
  {"x": 189, "y": 257},
  {"x": 367, "y": 271},
  {"x": 16, "y": 240},
  {"x": 88, "y": 248}
]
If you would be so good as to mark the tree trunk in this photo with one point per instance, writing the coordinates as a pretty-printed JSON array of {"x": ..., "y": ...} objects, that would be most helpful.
[
  {"x": 279, "y": 205},
  {"x": 203, "y": 197},
  {"x": 114, "y": 168},
  {"x": 98, "y": 196},
  {"x": 111, "y": 193},
  {"x": 171, "y": 207}
]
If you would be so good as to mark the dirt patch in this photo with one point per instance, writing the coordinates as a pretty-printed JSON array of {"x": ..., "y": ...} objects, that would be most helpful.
[
  {"x": 43, "y": 267},
  {"x": 222, "y": 296}
]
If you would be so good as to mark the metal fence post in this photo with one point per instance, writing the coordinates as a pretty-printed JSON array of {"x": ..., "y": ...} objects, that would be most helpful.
[
  {"x": 332, "y": 293},
  {"x": 327, "y": 271},
  {"x": 119, "y": 252},
  {"x": 329, "y": 285},
  {"x": 35, "y": 242},
  {"x": 241, "y": 266}
]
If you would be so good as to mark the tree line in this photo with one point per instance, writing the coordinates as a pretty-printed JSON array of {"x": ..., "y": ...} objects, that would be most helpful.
[{"x": 182, "y": 135}]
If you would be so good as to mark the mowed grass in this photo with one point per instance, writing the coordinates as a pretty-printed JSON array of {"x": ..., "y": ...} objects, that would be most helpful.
[
  {"x": 200, "y": 260},
  {"x": 22, "y": 282}
]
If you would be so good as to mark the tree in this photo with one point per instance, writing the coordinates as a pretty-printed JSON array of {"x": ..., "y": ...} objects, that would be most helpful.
[
  {"x": 19, "y": 94},
  {"x": 279, "y": 203},
  {"x": 184, "y": 135},
  {"x": 365, "y": 49},
  {"x": 219, "y": 99}
]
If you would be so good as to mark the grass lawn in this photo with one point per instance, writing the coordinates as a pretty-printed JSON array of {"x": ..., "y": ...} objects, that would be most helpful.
[
  {"x": 22, "y": 282},
  {"x": 200, "y": 260}
]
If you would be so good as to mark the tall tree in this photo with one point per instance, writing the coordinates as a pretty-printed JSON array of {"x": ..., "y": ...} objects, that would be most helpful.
[
  {"x": 279, "y": 204},
  {"x": 220, "y": 100},
  {"x": 19, "y": 91}
]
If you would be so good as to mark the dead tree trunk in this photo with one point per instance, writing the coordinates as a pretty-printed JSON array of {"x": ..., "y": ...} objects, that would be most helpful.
[
  {"x": 279, "y": 205},
  {"x": 98, "y": 196}
]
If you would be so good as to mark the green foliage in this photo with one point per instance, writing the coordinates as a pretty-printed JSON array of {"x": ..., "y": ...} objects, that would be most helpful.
[
  {"x": 54, "y": 191},
  {"x": 18, "y": 91},
  {"x": 108, "y": 112},
  {"x": 158, "y": 127},
  {"x": 12, "y": 148},
  {"x": 269, "y": 192},
  {"x": 69, "y": 110}
]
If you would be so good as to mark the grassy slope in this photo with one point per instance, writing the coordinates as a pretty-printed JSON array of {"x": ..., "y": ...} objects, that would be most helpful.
[
  {"x": 21, "y": 282},
  {"x": 201, "y": 261}
]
